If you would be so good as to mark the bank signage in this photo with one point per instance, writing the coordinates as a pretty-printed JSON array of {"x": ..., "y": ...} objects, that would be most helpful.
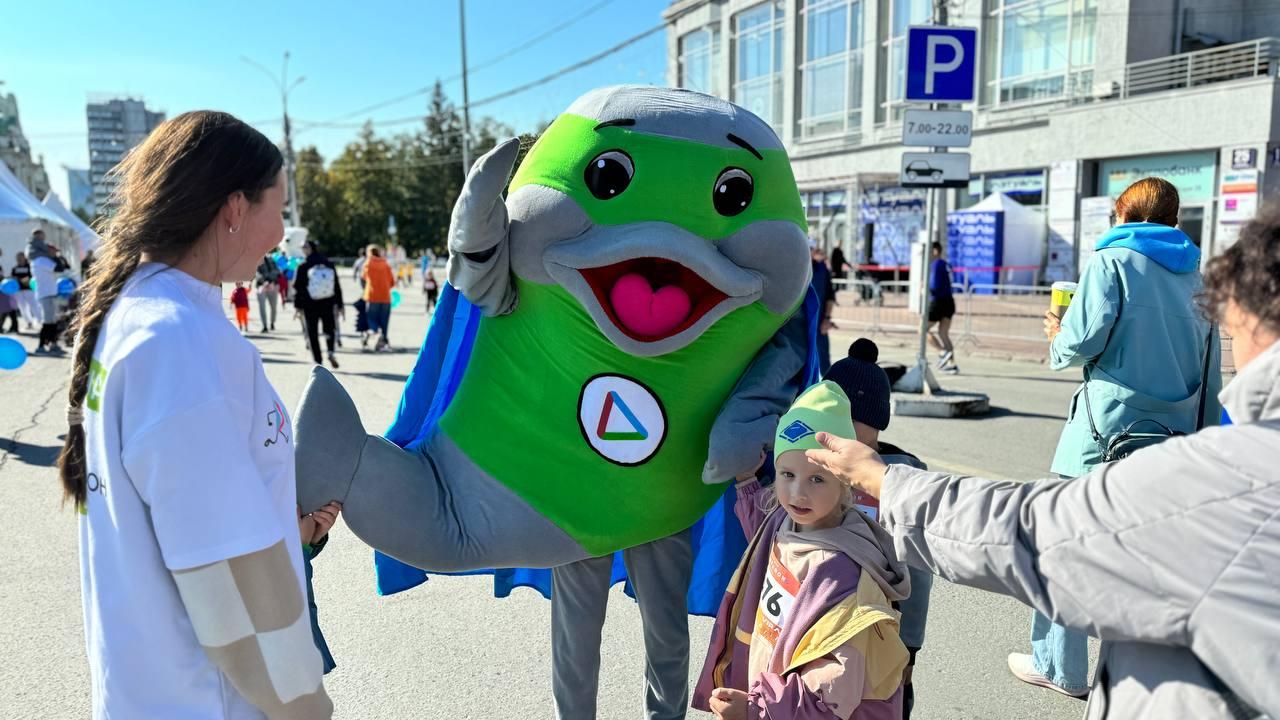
[{"x": 1193, "y": 173}]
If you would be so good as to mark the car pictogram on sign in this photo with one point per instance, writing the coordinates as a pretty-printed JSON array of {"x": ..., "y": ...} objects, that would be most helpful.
[{"x": 920, "y": 168}]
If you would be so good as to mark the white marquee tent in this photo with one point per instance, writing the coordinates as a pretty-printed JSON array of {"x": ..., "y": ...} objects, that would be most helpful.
[
  {"x": 21, "y": 213},
  {"x": 87, "y": 239}
]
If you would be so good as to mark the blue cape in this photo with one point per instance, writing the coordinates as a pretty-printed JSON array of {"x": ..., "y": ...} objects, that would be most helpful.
[{"x": 718, "y": 540}]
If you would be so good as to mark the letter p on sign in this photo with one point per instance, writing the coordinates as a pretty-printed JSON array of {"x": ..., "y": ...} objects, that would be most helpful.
[{"x": 941, "y": 62}]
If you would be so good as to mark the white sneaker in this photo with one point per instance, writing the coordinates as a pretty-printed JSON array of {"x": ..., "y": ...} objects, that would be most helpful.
[
  {"x": 952, "y": 369},
  {"x": 1023, "y": 667}
]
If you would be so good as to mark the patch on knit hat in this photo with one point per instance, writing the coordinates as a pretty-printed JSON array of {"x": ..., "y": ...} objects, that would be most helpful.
[
  {"x": 797, "y": 430},
  {"x": 822, "y": 408}
]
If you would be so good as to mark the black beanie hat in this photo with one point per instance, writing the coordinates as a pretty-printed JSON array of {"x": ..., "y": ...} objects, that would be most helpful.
[{"x": 864, "y": 382}]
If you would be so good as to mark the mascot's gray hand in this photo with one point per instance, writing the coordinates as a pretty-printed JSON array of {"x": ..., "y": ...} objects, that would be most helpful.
[{"x": 480, "y": 217}]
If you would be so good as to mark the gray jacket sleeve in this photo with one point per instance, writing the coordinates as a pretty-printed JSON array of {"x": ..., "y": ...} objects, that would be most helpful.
[
  {"x": 748, "y": 419},
  {"x": 1177, "y": 545}
]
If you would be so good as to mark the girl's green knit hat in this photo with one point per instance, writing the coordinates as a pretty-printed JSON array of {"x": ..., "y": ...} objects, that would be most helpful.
[{"x": 822, "y": 408}]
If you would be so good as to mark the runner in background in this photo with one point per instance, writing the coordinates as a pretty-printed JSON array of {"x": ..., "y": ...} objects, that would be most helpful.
[{"x": 942, "y": 307}]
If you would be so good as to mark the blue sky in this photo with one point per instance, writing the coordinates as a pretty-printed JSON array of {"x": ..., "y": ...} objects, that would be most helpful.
[{"x": 183, "y": 55}]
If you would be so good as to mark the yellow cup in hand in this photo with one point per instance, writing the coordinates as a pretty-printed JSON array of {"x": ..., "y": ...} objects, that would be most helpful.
[{"x": 1060, "y": 297}]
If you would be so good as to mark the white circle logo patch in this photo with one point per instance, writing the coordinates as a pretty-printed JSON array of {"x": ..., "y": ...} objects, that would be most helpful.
[{"x": 621, "y": 419}]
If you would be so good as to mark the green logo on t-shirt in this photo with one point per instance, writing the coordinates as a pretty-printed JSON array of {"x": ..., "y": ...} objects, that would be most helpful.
[{"x": 97, "y": 381}]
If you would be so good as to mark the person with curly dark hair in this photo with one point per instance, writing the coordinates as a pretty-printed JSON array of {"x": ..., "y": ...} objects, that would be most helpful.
[{"x": 1169, "y": 555}]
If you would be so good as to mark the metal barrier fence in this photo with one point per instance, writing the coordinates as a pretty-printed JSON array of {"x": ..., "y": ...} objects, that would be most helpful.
[
  {"x": 998, "y": 316},
  {"x": 1011, "y": 312}
]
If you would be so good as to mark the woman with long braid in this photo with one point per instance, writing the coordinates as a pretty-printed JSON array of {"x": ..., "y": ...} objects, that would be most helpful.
[{"x": 179, "y": 456}]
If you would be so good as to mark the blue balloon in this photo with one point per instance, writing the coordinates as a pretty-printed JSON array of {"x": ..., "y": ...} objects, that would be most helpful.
[
  {"x": 12, "y": 354},
  {"x": 288, "y": 273},
  {"x": 9, "y": 287},
  {"x": 282, "y": 262},
  {"x": 66, "y": 286}
]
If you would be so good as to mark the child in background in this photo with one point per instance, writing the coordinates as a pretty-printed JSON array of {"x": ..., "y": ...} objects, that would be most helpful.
[
  {"x": 314, "y": 529},
  {"x": 868, "y": 389},
  {"x": 806, "y": 628},
  {"x": 240, "y": 300},
  {"x": 430, "y": 289},
  {"x": 362, "y": 321}
]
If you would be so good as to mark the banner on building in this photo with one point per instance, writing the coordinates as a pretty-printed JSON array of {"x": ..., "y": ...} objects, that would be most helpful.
[
  {"x": 1060, "y": 264},
  {"x": 1095, "y": 221},
  {"x": 1193, "y": 173}
]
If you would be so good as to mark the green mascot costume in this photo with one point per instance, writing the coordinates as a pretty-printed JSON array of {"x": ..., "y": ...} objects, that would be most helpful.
[{"x": 638, "y": 337}]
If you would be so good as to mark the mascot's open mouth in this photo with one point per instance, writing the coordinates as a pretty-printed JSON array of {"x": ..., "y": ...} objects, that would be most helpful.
[{"x": 651, "y": 299}]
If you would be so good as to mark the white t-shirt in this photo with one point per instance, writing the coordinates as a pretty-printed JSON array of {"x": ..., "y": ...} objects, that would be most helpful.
[
  {"x": 190, "y": 455},
  {"x": 42, "y": 272}
]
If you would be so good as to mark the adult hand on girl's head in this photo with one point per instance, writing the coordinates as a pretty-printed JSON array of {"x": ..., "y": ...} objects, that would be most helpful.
[
  {"x": 729, "y": 704},
  {"x": 850, "y": 461}
]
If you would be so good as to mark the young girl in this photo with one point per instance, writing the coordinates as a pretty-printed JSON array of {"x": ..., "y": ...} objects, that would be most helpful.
[
  {"x": 240, "y": 301},
  {"x": 188, "y": 612},
  {"x": 806, "y": 628}
]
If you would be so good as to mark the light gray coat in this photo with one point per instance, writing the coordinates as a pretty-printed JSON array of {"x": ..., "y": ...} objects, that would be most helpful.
[{"x": 1171, "y": 556}]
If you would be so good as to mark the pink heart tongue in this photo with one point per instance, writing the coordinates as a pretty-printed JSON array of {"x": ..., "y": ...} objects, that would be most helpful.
[{"x": 645, "y": 312}]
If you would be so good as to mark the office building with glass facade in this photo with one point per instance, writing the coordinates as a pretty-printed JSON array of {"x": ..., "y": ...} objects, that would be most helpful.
[{"x": 1076, "y": 98}]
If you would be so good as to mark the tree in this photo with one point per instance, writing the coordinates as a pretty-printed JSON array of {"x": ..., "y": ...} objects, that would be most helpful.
[
  {"x": 414, "y": 176},
  {"x": 319, "y": 202},
  {"x": 365, "y": 184},
  {"x": 85, "y": 217}
]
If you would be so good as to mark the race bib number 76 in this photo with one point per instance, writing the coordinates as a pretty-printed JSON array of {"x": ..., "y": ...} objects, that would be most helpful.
[{"x": 777, "y": 597}]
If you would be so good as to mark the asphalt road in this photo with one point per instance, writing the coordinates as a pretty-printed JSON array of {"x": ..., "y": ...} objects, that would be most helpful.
[{"x": 449, "y": 649}]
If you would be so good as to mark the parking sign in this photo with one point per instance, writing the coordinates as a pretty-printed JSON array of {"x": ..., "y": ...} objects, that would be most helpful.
[{"x": 941, "y": 64}]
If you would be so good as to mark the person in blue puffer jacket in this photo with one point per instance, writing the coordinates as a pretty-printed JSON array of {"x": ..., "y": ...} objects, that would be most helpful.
[{"x": 1135, "y": 329}]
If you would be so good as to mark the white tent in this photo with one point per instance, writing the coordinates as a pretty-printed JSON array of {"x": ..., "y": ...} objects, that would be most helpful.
[
  {"x": 88, "y": 239},
  {"x": 999, "y": 240},
  {"x": 21, "y": 213}
]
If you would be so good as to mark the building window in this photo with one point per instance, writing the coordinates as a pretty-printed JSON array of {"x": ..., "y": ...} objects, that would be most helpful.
[
  {"x": 831, "y": 74},
  {"x": 700, "y": 60},
  {"x": 1044, "y": 49},
  {"x": 899, "y": 15},
  {"x": 757, "y": 70}
]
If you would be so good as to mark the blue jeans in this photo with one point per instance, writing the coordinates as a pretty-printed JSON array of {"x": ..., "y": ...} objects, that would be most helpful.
[
  {"x": 379, "y": 315},
  {"x": 1059, "y": 653}
]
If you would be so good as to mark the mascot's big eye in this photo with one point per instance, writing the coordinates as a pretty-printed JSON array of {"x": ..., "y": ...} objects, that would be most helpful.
[
  {"x": 609, "y": 174},
  {"x": 733, "y": 191}
]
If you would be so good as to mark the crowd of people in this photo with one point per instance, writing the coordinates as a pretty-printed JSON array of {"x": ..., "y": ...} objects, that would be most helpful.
[{"x": 1158, "y": 535}]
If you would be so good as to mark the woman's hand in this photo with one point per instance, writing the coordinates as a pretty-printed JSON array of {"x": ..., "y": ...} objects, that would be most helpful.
[
  {"x": 312, "y": 528},
  {"x": 729, "y": 704},
  {"x": 1052, "y": 325},
  {"x": 850, "y": 461},
  {"x": 325, "y": 517}
]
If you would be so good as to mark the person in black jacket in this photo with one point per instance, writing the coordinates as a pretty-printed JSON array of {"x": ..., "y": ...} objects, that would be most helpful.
[{"x": 318, "y": 296}]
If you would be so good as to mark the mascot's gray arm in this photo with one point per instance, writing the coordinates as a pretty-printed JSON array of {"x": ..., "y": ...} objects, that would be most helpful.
[
  {"x": 479, "y": 234},
  {"x": 749, "y": 418}
]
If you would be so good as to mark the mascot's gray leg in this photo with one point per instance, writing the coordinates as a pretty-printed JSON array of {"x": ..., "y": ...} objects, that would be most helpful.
[{"x": 434, "y": 510}]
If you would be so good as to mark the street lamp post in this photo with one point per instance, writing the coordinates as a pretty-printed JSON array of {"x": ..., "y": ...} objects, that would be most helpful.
[
  {"x": 291, "y": 165},
  {"x": 466, "y": 99}
]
